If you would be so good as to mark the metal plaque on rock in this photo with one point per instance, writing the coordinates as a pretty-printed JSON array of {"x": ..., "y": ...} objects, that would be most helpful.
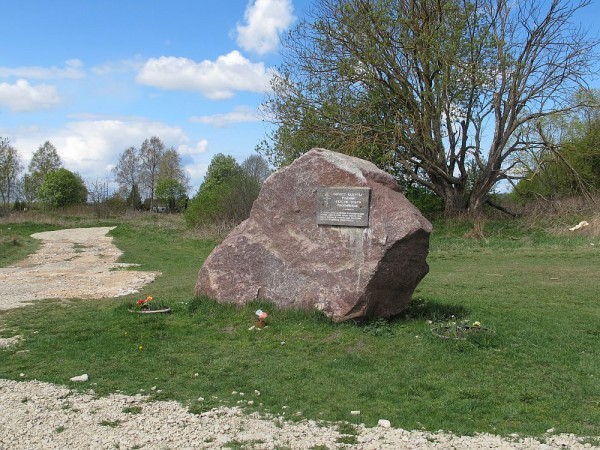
[{"x": 343, "y": 206}]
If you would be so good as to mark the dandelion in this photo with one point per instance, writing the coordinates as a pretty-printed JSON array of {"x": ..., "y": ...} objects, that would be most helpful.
[{"x": 141, "y": 347}]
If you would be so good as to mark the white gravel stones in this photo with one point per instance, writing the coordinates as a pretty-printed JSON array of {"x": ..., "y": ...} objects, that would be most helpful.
[
  {"x": 10, "y": 342},
  {"x": 36, "y": 415}
]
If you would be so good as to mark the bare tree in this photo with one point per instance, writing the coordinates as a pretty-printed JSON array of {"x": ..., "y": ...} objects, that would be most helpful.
[
  {"x": 432, "y": 87},
  {"x": 257, "y": 168},
  {"x": 99, "y": 190},
  {"x": 10, "y": 168},
  {"x": 151, "y": 153},
  {"x": 127, "y": 170}
]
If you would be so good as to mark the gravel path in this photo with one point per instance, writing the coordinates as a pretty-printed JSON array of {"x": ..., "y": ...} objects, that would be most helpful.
[
  {"x": 73, "y": 263},
  {"x": 36, "y": 415}
]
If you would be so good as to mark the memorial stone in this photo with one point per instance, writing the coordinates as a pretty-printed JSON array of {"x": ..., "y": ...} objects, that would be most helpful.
[{"x": 329, "y": 231}]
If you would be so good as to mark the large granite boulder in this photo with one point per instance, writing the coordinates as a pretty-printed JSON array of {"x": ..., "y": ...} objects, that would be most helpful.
[{"x": 283, "y": 255}]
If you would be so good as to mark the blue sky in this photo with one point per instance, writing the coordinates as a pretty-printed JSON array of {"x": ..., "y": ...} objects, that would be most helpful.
[{"x": 96, "y": 77}]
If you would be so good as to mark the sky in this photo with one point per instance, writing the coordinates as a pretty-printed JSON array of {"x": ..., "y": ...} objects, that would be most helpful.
[{"x": 95, "y": 77}]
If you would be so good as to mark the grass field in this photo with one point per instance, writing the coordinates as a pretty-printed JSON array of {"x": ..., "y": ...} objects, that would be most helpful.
[{"x": 540, "y": 368}]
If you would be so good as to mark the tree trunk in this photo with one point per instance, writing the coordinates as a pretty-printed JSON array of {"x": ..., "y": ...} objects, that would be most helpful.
[
  {"x": 454, "y": 201},
  {"x": 479, "y": 195}
]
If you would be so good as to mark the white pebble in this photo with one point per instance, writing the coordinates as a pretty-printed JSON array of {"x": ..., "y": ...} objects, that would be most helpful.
[
  {"x": 383, "y": 423},
  {"x": 80, "y": 378}
]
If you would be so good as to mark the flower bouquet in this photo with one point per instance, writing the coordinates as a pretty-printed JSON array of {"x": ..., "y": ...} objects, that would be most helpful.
[{"x": 149, "y": 306}]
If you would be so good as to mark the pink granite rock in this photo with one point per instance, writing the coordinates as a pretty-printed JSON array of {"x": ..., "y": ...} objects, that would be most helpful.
[{"x": 282, "y": 255}]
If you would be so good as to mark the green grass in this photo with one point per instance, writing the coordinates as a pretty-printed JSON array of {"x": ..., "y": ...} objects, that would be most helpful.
[
  {"x": 16, "y": 241},
  {"x": 539, "y": 370}
]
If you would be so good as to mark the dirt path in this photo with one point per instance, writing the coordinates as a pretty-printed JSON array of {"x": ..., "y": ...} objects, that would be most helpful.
[{"x": 73, "y": 263}]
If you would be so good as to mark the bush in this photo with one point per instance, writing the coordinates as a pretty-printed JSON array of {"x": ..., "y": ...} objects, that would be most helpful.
[
  {"x": 428, "y": 202},
  {"x": 62, "y": 188},
  {"x": 19, "y": 206},
  {"x": 229, "y": 202},
  {"x": 225, "y": 196},
  {"x": 172, "y": 193}
]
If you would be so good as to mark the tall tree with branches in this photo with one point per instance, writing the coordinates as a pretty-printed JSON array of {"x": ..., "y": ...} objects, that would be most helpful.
[
  {"x": 127, "y": 174},
  {"x": 10, "y": 168},
  {"x": 44, "y": 160},
  {"x": 171, "y": 167},
  {"x": 151, "y": 154},
  {"x": 437, "y": 91}
]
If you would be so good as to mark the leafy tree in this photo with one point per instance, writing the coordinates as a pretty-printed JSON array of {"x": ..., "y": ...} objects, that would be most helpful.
[
  {"x": 569, "y": 163},
  {"x": 150, "y": 155},
  {"x": 10, "y": 167},
  {"x": 62, "y": 188},
  {"x": 221, "y": 169},
  {"x": 44, "y": 160},
  {"x": 172, "y": 193},
  {"x": 171, "y": 168},
  {"x": 426, "y": 88},
  {"x": 225, "y": 196}
]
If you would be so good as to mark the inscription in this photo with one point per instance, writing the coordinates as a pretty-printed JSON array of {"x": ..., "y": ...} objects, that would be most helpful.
[{"x": 348, "y": 207}]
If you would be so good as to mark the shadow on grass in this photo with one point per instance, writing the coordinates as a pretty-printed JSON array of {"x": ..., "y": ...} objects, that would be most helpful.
[
  {"x": 418, "y": 309},
  {"x": 421, "y": 309}
]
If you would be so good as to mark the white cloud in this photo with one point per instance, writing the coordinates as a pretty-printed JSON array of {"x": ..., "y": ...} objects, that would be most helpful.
[
  {"x": 23, "y": 97},
  {"x": 73, "y": 69},
  {"x": 92, "y": 147},
  {"x": 241, "y": 114},
  {"x": 216, "y": 80},
  {"x": 265, "y": 20},
  {"x": 198, "y": 149},
  {"x": 89, "y": 146}
]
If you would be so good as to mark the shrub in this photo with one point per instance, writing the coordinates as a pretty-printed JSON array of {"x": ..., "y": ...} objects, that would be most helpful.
[
  {"x": 62, "y": 188},
  {"x": 225, "y": 196}
]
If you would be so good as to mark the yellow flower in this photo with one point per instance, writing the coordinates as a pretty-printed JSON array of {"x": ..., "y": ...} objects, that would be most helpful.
[
  {"x": 476, "y": 324},
  {"x": 140, "y": 347}
]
